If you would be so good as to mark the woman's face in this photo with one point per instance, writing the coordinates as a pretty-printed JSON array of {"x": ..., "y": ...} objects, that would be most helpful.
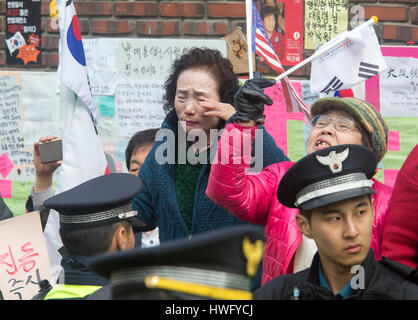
[
  {"x": 328, "y": 136},
  {"x": 269, "y": 23},
  {"x": 194, "y": 86}
]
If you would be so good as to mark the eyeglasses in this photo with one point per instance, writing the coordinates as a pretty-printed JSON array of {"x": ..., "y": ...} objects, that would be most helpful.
[{"x": 340, "y": 124}]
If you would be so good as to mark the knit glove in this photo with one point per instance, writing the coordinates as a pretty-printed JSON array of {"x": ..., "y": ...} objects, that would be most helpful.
[{"x": 250, "y": 99}]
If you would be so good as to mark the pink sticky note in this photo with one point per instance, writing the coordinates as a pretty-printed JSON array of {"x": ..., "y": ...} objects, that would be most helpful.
[
  {"x": 298, "y": 87},
  {"x": 372, "y": 91},
  {"x": 6, "y": 188},
  {"x": 5, "y": 165},
  {"x": 393, "y": 141},
  {"x": 276, "y": 116},
  {"x": 389, "y": 176}
]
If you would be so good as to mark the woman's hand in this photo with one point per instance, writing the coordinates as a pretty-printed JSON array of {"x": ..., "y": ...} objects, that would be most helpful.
[
  {"x": 250, "y": 99},
  {"x": 218, "y": 109}
]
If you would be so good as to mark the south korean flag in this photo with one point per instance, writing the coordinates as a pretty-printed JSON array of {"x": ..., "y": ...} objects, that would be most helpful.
[
  {"x": 352, "y": 58},
  {"x": 15, "y": 42}
]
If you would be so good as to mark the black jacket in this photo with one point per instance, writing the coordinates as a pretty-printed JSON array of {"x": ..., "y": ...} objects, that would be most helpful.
[
  {"x": 380, "y": 283},
  {"x": 75, "y": 272}
]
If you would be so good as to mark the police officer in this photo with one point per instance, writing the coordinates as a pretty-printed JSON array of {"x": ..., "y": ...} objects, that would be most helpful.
[
  {"x": 219, "y": 264},
  {"x": 332, "y": 189},
  {"x": 95, "y": 217}
]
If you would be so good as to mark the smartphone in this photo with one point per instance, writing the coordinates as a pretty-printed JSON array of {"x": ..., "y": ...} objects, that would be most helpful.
[{"x": 50, "y": 151}]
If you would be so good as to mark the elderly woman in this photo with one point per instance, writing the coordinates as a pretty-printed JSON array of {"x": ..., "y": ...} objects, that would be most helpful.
[
  {"x": 252, "y": 198},
  {"x": 198, "y": 97}
]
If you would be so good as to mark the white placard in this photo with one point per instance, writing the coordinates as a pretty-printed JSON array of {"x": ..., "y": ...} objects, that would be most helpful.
[
  {"x": 138, "y": 106},
  {"x": 24, "y": 260},
  {"x": 399, "y": 87},
  {"x": 101, "y": 65}
]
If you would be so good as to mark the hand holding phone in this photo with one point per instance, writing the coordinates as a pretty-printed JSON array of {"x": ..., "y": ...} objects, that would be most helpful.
[
  {"x": 50, "y": 151},
  {"x": 47, "y": 157}
]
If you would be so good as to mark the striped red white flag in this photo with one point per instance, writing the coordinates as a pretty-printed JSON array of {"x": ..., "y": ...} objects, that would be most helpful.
[{"x": 262, "y": 46}]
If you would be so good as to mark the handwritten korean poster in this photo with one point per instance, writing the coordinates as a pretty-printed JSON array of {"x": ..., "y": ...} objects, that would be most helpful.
[
  {"x": 151, "y": 59},
  {"x": 138, "y": 106},
  {"x": 324, "y": 20},
  {"x": 24, "y": 260},
  {"x": 11, "y": 139},
  {"x": 101, "y": 65}
]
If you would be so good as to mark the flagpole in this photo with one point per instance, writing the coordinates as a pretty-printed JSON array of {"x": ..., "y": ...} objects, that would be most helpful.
[
  {"x": 322, "y": 50},
  {"x": 248, "y": 10}
]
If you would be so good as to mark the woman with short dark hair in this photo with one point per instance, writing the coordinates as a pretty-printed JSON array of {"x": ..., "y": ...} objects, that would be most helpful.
[{"x": 198, "y": 98}]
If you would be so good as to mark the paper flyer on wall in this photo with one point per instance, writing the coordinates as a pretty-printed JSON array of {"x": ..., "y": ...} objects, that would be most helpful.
[
  {"x": 283, "y": 23},
  {"x": 23, "y": 30}
]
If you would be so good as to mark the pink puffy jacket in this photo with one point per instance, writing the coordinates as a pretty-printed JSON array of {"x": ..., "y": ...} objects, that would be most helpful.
[{"x": 252, "y": 198}]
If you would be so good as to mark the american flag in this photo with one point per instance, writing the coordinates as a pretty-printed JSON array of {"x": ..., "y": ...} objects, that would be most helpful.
[{"x": 262, "y": 46}]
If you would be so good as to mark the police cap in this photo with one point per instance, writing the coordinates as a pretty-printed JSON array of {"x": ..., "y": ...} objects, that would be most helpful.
[
  {"x": 328, "y": 176},
  {"x": 217, "y": 264},
  {"x": 100, "y": 201}
]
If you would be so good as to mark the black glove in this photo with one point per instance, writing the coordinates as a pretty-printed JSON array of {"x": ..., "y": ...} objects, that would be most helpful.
[{"x": 250, "y": 99}]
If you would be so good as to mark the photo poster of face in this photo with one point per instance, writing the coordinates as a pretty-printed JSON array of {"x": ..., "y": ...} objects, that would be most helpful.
[
  {"x": 283, "y": 23},
  {"x": 23, "y": 30}
]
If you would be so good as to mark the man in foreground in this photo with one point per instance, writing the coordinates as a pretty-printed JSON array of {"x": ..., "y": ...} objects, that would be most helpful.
[{"x": 332, "y": 190}]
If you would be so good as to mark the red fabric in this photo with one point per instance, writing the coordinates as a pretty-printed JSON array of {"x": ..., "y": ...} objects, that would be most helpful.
[
  {"x": 346, "y": 93},
  {"x": 277, "y": 41},
  {"x": 400, "y": 235},
  {"x": 252, "y": 198}
]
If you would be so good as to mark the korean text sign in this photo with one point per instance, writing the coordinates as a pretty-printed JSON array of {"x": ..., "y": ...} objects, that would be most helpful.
[{"x": 24, "y": 260}]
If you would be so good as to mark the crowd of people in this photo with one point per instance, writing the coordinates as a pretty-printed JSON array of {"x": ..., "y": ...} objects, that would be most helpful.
[{"x": 199, "y": 224}]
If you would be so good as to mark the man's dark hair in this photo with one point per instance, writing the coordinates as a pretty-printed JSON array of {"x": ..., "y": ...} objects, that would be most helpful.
[
  {"x": 308, "y": 213},
  {"x": 139, "y": 140},
  {"x": 90, "y": 241},
  {"x": 267, "y": 10},
  {"x": 208, "y": 59}
]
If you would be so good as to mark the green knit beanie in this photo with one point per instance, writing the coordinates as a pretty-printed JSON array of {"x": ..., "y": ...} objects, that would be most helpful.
[{"x": 364, "y": 113}]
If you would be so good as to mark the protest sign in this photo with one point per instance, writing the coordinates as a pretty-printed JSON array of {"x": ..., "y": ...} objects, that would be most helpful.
[
  {"x": 283, "y": 23},
  {"x": 24, "y": 260},
  {"x": 23, "y": 29},
  {"x": 324, "y": 20}
]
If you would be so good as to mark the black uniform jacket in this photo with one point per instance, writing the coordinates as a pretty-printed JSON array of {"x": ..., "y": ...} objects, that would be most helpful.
[
  {"x": 380, "y": 283},
  {"x": 75, "y": 272}
]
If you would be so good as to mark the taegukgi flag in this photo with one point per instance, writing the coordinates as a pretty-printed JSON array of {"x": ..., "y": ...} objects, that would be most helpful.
[
  {"x": 72, "y": 60},
  {"x": 353, "y": 57},
  {"x": 83, "y": 154}
]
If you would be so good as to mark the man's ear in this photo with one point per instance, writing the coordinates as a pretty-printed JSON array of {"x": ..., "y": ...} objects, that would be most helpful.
[
  {"x": 121, "y": 238},
  {"x": 372, "y": 204},
  {"x": 304, "y": 225}
]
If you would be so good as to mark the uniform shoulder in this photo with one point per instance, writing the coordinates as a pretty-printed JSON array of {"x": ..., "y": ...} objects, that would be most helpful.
[
  {"x": 396, "y": 281},
  {"x": 281, "y": 288}
]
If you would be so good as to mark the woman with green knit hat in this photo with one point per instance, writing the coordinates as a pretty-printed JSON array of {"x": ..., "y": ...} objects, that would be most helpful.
[
  {"x": 252, "y": 198},
  {"x": 367, "y": 122}
]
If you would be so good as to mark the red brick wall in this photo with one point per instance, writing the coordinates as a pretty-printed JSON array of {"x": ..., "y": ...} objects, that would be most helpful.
[{"x": 398, "y": 22}]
